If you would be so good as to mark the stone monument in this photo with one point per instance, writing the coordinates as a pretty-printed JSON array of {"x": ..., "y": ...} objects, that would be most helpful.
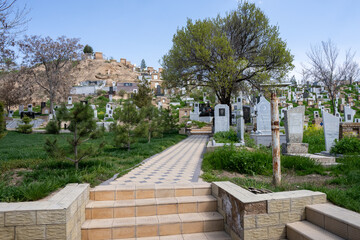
[
  {"x": 294, "y": 128},
  {"x": 331, "y": 129},
  {"x": 349, "y": 114},
  {"x": 240, "y": 123},
  {"x": 222, "y": 118},
  {"x": 263, "y": 118}
]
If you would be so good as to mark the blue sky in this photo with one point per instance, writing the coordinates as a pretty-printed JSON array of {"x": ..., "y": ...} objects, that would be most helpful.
[{"x": 143, "y": 29}]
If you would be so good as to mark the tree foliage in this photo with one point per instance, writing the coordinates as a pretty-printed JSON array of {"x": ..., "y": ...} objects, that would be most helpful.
[
  {"x": 88, "y": 49},
  {"x": 15, "y": 88},
  {"x": 125, "y": 131},
  {"x": 142, "y": 64},
  {"x": 144, "y": 95},
  {"x": 25, "y": 126},
  {"x": 150, "y": 124},
  {"x": 222, "y": 53},
  {"x": 50, "y": 62},
  {"x": 2, "y": 121},
  {"x": 324, "y": 66}
]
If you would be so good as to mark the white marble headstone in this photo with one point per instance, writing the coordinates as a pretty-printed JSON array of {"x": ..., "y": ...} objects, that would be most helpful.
[
  {"x": 263, "y": 118},
  {"x": 222, "y": 118},
  {"x": 349, "y": 114},
  {"x": 294, "y": 124},
  {"x": 331, "y": 129}
]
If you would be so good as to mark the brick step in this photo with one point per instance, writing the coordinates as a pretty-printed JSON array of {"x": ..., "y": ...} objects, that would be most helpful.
[
  {"x": 150, "y": 207},
  {"x": 337, "y": 220},
  {"x": 143, "y": 191},
  {"x": 201, "y": 133},
  {"x": 309, "y": 231},
  {"x": 220, "y": 235},
  {"x": 161, "y": 225}
]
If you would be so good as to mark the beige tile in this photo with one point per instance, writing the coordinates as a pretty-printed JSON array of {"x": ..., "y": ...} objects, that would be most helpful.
[
  {"x": 167, "y": 209},
  {"x": 84, "y": 234},
  {"x": 122, "y": 212},
  {"x": 171, "y": 218},
  {"x": 88, "y": 213},
  {"x": 187, "y": 207},
  {"x": 99, "y": 234},
  {"x": 165, "y": 193},
  {"x": 172, "y": 237},
  {"x": 145, "y": 211},
  {"x": 125, "y": 194},
  {"x": 184, "y": 192},
  {"x": 92, "y": 195},
  {"x": 191, "y": 217},
  {"x": 104, "y": 195},
  {"x": 100, "y": 223},
  {"x": 217, "y": 236},
  {"x": 123, "y": 232},
  {"x": 151, "y": 220},
  {"x": 145, "y": 202},
  {"x": 124, "y": 222},
  {"x": 101, "y": 213},
  {"x": 147, "y": 193},
  {"x": 202, "y": 191},
  {"x": 207, "y": 206},
  {"x": 124, "y": 203},
  {"x": 146, "y": 230},
  {"x": 192, "y": 227},
  {"x": 197, "y": 236},
  {"x": 212, "y": 226},
  {"x": 169, "y": 229}
]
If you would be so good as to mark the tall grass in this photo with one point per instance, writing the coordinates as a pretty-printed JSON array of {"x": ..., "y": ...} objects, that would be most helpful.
[{"x": 314, "y": 136}]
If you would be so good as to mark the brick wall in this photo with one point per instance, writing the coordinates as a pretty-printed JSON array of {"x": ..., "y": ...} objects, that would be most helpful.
[
  {"x": 349, "y": 129},
  {"x": 59, "y": 217},
  {"x": 261, "y": 216}
]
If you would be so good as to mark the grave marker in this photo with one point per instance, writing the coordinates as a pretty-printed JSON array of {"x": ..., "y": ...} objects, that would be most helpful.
[
  {"x": 331, "y": 129},
  {"x": 222, "y": 118}
]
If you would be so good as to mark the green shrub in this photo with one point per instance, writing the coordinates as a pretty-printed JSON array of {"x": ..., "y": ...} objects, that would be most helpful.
[
  {"x": 249, "y": 142},
  {"x": 302, "y": 165},
  {"x": 226, "y": 137},
  {"x": 26, "y": 127},
  {"x": 52, "y": 127},
  {"x": 314, "y": 136},
  {"x": 199, "y": 124},
  {"x": 347, "y": 145}
]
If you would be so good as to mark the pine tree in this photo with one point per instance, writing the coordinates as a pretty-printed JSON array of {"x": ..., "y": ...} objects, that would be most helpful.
[
  {"x": 143, "y": 64},
  {"x": 150, "y": 125},
  {"x": 88, "y": 49}
]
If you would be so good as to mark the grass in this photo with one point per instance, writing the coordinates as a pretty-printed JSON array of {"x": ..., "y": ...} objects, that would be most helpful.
[
  {"x": 226, "y": 137},
  {"x": 340, "y": 183},
  {"x": 314, "y": 136},
  {"x": 27, "y": 173}
]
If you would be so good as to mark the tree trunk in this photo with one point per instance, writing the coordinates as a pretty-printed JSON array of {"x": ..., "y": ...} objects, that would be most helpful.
[{"x": 149, "y": 137}]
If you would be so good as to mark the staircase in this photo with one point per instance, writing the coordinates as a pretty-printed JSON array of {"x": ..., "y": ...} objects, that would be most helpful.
[
  {"x": 180, "y": 211},
  {"x": 326, "y": 221},
  {"x": 206, "y": 130}
]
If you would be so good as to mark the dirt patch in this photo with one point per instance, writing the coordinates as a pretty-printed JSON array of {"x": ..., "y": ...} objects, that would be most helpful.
[{"x": 16, "y": 175}]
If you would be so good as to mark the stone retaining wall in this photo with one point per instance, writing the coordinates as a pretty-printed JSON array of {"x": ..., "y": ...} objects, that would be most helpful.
[
  {"x": 261, "y": 216},
  {"x": 59, "y": 217}
]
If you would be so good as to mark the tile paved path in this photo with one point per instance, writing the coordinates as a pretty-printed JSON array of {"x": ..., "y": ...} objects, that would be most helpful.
[{"x": 180, "y": 163}]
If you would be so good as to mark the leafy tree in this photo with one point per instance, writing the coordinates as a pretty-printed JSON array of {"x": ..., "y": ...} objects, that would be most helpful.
[
  {"x": 81, "y": 125},
  {"x": 50, "y": 62},
  {"x": 143, "y": 64},
  {"x": 324, "y": 67},
  {"x": 150, "y": 124},
  {"x": 25, "y": 127},
  {"x": 144, "y": 95},
  {"x": 223, "y": 53},
  {"x": 15, "y": 89},
  {"x": 168, "y": 120},
  {"x": 129, "y": 118},
  {"x": 2, "y": 121},
  {"x": 88, "y": 49}
]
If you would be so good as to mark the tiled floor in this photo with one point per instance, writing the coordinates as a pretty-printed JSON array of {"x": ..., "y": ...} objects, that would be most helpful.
[{"x": 178, "y": 164}]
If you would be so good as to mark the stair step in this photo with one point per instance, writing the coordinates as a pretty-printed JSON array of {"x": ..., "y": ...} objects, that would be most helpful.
[
  {"x": 309, "y": 231},
  {"x": 152, "y": 226},
  {"x": 148, "y": 207},
  {"x": 337, "y": 220},
  {"x": 143, "y": 191},
  {"x": 193, "y": 236}
]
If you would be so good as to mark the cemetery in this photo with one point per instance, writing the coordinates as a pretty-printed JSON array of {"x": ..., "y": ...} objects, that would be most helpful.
[{"x": 219, "y": 140}]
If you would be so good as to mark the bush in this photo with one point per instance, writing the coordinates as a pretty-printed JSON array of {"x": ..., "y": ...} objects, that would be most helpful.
[
  {"x": 52, "y": 127},
  {"x": 347, "y": 145},
  {"x": 226, "y": 137},
  {"x": 26, "y": 127},
  {"x": 302, "y": 165},
  {"x": 199, "y": 124},
  {"x": 314, "y": 136}
]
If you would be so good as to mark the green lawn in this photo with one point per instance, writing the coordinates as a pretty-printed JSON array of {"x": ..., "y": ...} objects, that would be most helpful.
[{"x": 28, "y": 173}]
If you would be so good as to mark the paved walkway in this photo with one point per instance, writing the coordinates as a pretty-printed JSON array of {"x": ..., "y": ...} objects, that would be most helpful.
[{"x": 180, "y": 163}]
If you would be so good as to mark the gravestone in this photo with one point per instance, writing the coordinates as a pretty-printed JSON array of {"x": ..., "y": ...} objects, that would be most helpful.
[
  {"x": 43, "y": 104},
  {"x": 30, "y": 107},
  {"x": 159, "y": 105},
  {"x": 331, "y": 129},
  {"x": 294, "y": 128},
  {"x": 21, "y": 109},
  {"x": 11, "y": 112},
  {"x": 349, "y": 114},
  {"x": 247, "y": 114},
  {"x": 194, "y": 115},
  {"x": 316, "y": 114},
  {"x": 222, "y": 113},
  {"x": 282, "y": 113},
  {"x": 240, "y": 123},
  {"x": 263, "y": 118},
  {"x": 69, "y": 100},
  {"x": 95, "y": 111},
  {"x": 110, "y": 97}
]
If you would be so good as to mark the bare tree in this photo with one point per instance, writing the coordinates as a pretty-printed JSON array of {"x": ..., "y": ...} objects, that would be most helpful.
[
  {"x": 324, "y": 67},
  {"x": 50, "y": 62},
  {"x": 14, "y": 89}
]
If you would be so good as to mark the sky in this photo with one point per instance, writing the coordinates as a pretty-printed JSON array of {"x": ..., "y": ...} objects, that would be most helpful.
[{"x": 143, "y": 29}]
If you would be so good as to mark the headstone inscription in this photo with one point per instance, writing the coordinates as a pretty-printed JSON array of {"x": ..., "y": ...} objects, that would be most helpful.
[
  {"x": 263, "y": 118},
  {"x": 331, "y": 130},
  {"x": 222, "y": 118}
]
